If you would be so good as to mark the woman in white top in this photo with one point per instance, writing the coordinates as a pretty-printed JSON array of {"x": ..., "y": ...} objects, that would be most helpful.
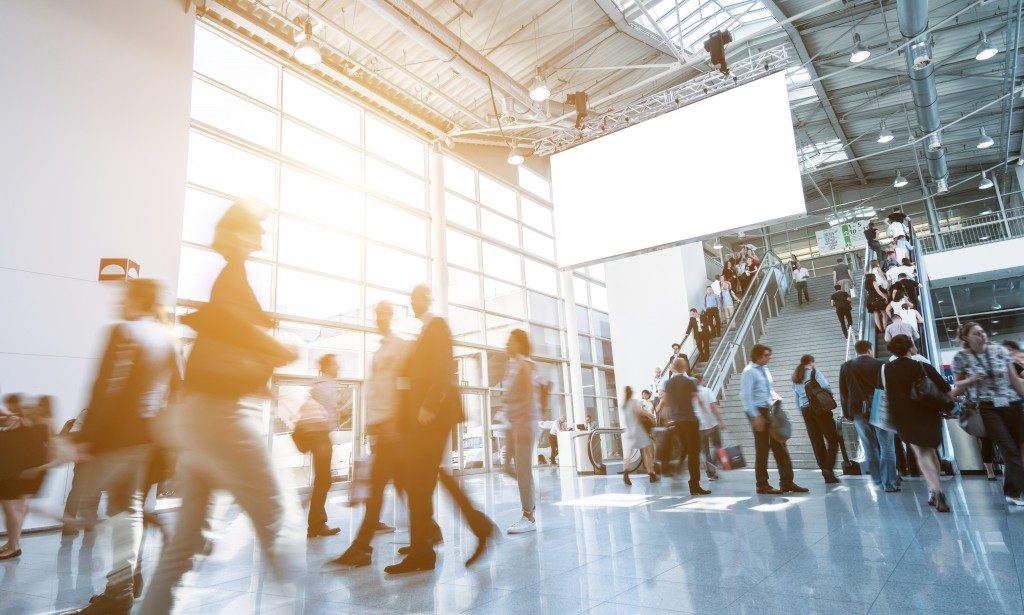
[
  {"x": 879, "y": 274},
  {"x": 521, "y": 411},
  {"x": 636, "y": 437}
]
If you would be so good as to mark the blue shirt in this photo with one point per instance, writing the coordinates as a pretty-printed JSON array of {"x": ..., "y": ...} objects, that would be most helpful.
[
  {"x": 756, "y": 388},
  {"x": 711, "y": 301},
  {"x": 799, "y": 391}
]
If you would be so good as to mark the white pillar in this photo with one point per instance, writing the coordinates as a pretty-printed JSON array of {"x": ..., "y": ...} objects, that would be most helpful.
[{"x": 576, "y": 410}]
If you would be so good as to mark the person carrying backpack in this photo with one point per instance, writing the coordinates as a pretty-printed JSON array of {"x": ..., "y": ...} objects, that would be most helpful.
[{"x": 813, "y": 396}]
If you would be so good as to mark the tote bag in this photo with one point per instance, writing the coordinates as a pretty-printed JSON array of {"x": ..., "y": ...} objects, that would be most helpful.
[{"x": 880, "y": 416}]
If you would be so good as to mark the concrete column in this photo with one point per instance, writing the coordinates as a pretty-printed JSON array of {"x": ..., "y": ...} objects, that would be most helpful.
[{"x": 438, "y": 253}]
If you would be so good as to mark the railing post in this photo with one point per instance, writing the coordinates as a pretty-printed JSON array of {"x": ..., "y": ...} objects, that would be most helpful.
[
  {"x": 933, "y": 222},
  {"x": 1002, "y": 208}
]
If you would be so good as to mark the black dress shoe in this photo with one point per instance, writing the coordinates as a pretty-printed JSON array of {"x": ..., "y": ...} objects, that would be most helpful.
[
  {"x": 768, "y": 490},
  {"x": 698, "y": 490},
  {"x": 409, "y": 564},
  {"x": 654, "y": 478},
  {"x": 316, "y": 532},
  {"x": 484, "y": 535},
  {"x": 353, "y": 556},
  {"x": 794, "y": 488},
  {"x": 832, "y": 479}
]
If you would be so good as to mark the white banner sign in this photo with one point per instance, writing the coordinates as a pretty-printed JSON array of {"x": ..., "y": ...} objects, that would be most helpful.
[{"x": 842, "y": 237}]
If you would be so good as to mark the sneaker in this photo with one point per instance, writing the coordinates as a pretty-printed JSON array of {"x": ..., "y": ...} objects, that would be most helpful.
[
  {"x": 1015, "y": 501},
  {"x": 523, "y": 526},
  {"x": 892, "y": 489}
]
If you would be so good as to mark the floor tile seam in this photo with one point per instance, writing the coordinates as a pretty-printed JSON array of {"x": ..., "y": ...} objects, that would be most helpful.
[{"x": 888, "y": 578}]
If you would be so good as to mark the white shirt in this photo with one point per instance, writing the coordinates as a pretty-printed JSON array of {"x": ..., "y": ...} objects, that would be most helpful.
[
  {"x": 381, "y": 400},
  {"x": 705, "y": 416},
  {"x": 896, "y": 229},
  {"x": 894, "y": 273},
  {"x": 909, "y": 315},
  {"x": 716, "y": 287},
  {"x": 801, "y": 274}
]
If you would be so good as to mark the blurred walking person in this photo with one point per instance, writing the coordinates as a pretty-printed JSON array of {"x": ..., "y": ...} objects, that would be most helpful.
[
  {"x": 382, "y": 427},
  {"x": 318, "y": 417},
  {"x": 137, "y": 374},
  {"x": 844, "y": 308},
  {"x": 220, "y": 445},
  {"x": 27, "y": 439},
  {"x": 680, "y": 397},
  {"x": 521, "y": 410},
  {"x": 430, "y": 407},
  {"x": 636, "y": 437}
]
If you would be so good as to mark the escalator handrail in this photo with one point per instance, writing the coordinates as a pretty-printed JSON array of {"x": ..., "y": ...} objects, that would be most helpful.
[
  {"x": 861, "y": 307},
  {"x": 590, "y": 449}
]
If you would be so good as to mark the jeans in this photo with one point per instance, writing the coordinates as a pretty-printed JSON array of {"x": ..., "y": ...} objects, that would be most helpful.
[
  {"x": 687, "y": 433},
  {"x": 519, "y": 464},
  {"x": 821, "y": 430},
  {"x": 845, "y": 316},
  {"x": 801, "y": 292},
  {"x": 879, "y": 451},
  {"x": 220, "y": 447},
  {"x": 321, "y": 450},
  {"x": 763, "y": 442},
  {"x": 1003, "y": 426}
]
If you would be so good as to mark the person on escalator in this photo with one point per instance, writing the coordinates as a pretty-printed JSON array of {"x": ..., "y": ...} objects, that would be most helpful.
[
  {"x": 700, "y": 333},
  {"x": 1018, "y": 357},
  {"x": 712, "y": 302},
  {"x": 890, "y": 260},
  {"x": 908, "y": 287},
  {"x": 875, "y": 299},
  {"x": 899, "y": 224},
  {"x": 871, "y": 234}
]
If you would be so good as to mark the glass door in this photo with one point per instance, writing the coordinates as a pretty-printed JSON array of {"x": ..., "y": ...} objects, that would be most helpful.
[{"x": 471, "y": 449}]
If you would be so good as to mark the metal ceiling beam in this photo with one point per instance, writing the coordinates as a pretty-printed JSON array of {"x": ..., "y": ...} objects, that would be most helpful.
[
  {"x": 612, "y": 11},
  {"x": 805, "y": 59}
]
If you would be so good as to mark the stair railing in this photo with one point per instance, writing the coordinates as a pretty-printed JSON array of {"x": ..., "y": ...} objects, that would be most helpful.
[
  {"x": 859, "y": 333},
  {"x": 764, "y": 296}
]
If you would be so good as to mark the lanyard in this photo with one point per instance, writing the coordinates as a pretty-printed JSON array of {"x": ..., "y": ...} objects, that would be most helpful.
[{"x": 985, "y": 364}]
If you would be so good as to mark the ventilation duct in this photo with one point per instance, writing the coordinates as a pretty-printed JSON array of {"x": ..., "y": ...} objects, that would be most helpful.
[{"x": 913, "y": 18}]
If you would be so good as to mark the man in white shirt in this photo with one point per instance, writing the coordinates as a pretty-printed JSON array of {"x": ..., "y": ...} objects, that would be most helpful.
[
  {"x": 711, "y": 424},
  {"x": 800, "y": 276},
  {"x": 655, "y": 386}
]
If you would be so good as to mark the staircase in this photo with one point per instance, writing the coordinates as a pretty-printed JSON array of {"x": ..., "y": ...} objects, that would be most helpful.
[{"x": 798, "y": 330}]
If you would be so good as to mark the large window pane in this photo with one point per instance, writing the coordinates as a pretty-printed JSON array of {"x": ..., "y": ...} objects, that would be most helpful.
[
  {"x": 466, "y": 325},
  {"x": 313, "y": 341},
  {"x": 394, "y": 269},
  {"x": 606, "y": 383},
  {"x": 579, "y": 290},
  {"x": 598, "y": 296},
  {"x": 585, "y": 353},
  {"x": 499, "y": 227},
  {"x": 541, "y": 245},
  {"x": 546, "y": 342},
  {"x": 227, "y": 62},
  {"x": 471, "y": 367},
  {"x": 498, "y": 328},
  {"x": 395, "y": 226},
  {"x": 498, "y": 197},
  {"x": 199, "y": 268},
  {"x": 321, "y": 200},
  {"x": 221, "y": 109},
  {"x": 541, "y": 277},
  {"x": 395, "y": 184},
  {"x": 459, "y": 177},
  {"x": 394, "y": 145},
  {"x": 502, "y": 263},
  {"x": 227, "y": 169},
  {"x": 320, "y": 152},
  {"x": 313, "y": 296},
  {"x": 582, "y": 319},
  {"x": 319, "y": 108},
  {"x": 534, "y": 183},
  {"x": 462, "y": 249},
  {"x": 460, "y": 210},
  {"x": 504, "y": 298},
  {"x": 536, "y": 215},
  {"x": 312, "y": 246},
  {"x": 543, "y": 309},
  {"x": 464, "y": 288},
  {"x": 601, "y": 326},
  {"x": 602, "y": 352}
]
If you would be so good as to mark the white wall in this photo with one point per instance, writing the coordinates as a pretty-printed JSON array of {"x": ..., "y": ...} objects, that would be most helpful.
[
  {"x": 649, "y": 299},
  {"x": 95, "y": 108},
  {"x": 975, "y": 259}
]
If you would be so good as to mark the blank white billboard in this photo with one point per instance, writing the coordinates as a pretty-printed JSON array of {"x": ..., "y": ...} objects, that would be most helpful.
[{"x": 720, "y": 164}]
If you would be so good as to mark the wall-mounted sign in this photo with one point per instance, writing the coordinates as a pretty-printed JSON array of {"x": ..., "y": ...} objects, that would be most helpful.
[
  {"x": 114, "y": 269},
  {"x": 842, "y": 237}
]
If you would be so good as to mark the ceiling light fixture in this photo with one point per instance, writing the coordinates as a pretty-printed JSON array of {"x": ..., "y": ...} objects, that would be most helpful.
[
  {"x": 941, "y": 185},
  {"x": 986, "y": 183},
  {"x": 539, "y": 90},
  {"x": 718, "y": 245},
  {"x": 920, "y": 51},
  {"x": 985, "y": 49},
  {"x": 884, "y": 134},
  {"x": 515, "y": 158},
  {"x": 307, "y": 52},
  {"x": 985, "y": 141},
  {"x": 860, "y": 52},
  {"x": 900, "y": 180}
]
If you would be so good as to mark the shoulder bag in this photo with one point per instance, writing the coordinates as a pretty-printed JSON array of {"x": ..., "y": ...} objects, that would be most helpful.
[
  {"x": 924, "y": 392},
  {"x": 880, "y": 416},
  {"x": 970, "y": 419},
  {"x": 781, "y": 428}
]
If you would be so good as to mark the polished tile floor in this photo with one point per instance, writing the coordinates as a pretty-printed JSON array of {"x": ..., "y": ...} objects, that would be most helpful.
[{"x": 605, "y": 548}]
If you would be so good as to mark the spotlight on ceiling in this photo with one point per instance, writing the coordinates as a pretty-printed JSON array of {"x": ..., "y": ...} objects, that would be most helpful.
[
  {"x": 884, "y": 134},
  {"x": 935, "y": 141},
  {"x": 580, "y": 101},
  {"x": 986, "y": 183},
  {"x": 900, "y": 180},
  {"x": 515, "y": 158},
  {"x": 920, "y": 51},
  {"x": 860, "y": 52},
  {"x": 985, "y": 49},
  {"x": 942, "y": 185},
  {"x": 307, "y": 52},
  {"x": 985, "y": 141},
  {"x": 539, "y": 90},
  {"x": 718, "y": 245},
  {"x": 715, "y": 45}
]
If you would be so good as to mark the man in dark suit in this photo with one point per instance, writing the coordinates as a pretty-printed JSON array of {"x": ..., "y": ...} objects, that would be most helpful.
[
  {"x": 699, "y": 329},
  {"x": 430, "y": 405},
  {"x": 858, "y": 379},
  {"x": 680, "y": 396}
]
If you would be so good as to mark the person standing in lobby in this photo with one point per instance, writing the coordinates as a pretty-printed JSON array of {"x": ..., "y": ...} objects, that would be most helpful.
[
  {"x": 800, "y": 276},
  {"x": 430, "y": 406},
  {"x": 758, "y": 398},
  {"x": 858, "y": 379},
  {"x": 680, "y": 397},
  {"x": 821, "y": 425},
  {"x": 521, "y": 411},
  {"x": 987, "y": 372},
  {"x": 711, "y": 305}
]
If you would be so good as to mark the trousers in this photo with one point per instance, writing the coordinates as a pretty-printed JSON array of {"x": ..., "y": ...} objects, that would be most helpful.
[
  {"x": 385, "y": 466},
  {"x": 714, "y": 322},
  {"x": 821, "y": 430},
  {"x": 1003, "y": 426},
  {"x": 321, "y": 451},
  {"x": 845, "y": 316},
  {"x": 220, "y": 447},
  {"x": 879, "y": 451},
  {"x": 687, "y": 434},
  {"x": 763, "y": 443},
  {"x": 801, "y": 292},
  {"x": 519, "y": 463}
]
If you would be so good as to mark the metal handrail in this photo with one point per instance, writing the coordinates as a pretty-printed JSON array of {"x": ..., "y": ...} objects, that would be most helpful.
[
  {"x": 861, "y": 333},
  {"x": 717, "y": 369}
]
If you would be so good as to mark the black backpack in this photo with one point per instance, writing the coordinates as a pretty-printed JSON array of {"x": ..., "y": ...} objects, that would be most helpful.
[{"x": 819, "y": 398}]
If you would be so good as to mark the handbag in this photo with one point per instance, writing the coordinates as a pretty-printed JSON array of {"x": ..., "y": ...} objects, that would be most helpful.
[
  {"x": 875, "y": 303},
  {"x": 970, "y": 419},
  {"x": 924, "y": 392},
  {"x": 781, "y": 429},
  {"x": 647, "y": 422},
  {"x": 731, "y": 457},
  {"x": 880, "y": 416}
]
